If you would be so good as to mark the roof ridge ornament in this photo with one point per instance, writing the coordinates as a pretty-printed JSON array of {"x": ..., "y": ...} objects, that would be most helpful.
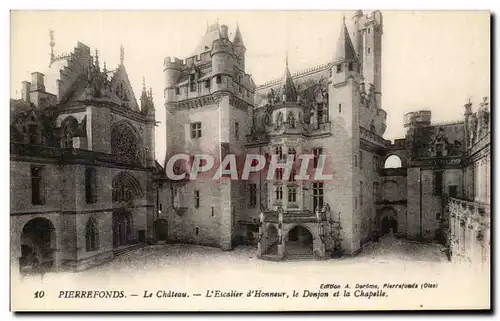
[{"x": 122, "y": 54}]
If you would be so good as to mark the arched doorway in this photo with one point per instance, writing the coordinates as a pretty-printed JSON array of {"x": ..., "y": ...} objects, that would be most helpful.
[
  {"x": 161, "y": 230},
  {"x": 37, "y": 245},
  {"x": 272, "y": 240},
  {"x": 299, "y": 241},
  {"x": 393, "y": 161},
  {"x": 122, "y": 227},
  {"x": 389, "y": 224}
]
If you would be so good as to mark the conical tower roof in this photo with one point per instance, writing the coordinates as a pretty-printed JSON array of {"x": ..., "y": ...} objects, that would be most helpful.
[
  {"x": 289, "y": 89},
  {"x": 238, "y": 38},
  {"x": 344, "y": 49}
]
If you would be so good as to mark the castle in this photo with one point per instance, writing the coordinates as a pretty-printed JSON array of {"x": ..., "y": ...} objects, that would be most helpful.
[
  {"x": 334, "y": 109},
  {"x": 82, "y": 164},
  {"x": 86, "y": 187}
]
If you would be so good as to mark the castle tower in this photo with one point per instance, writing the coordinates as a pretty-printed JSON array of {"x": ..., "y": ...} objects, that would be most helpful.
[
  {"x": 344, "y": 102},
  {"x": 371, "y": 35}
]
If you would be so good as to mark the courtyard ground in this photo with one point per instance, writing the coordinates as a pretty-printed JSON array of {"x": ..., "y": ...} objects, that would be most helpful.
[{"x": 197, "y": 269}]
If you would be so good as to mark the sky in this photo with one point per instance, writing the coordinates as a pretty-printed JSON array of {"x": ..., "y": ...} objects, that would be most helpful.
[{"x": 433, "y": 60}]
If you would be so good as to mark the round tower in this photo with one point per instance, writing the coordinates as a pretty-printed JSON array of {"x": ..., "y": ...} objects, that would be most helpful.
[
  {"x": 356, "y": 26},
  {"x": 172, "y": 71},
  {"x": 222, "y": 60}
]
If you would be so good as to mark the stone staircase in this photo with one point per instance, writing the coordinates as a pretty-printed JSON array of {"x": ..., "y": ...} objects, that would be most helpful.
[
  {"x": 126, "y": 249},
  {"x": 299, "y": 253}
]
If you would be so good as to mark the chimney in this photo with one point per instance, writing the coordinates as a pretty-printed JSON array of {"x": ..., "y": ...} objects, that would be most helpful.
[
  {"x": 223, "y": 32},
  {"x": 25, "y": 91},
  {"x": 37, "y": 81}
]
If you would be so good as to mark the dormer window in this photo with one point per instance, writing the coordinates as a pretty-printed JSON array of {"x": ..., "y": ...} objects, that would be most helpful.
[{"x": 338, "y": 68}]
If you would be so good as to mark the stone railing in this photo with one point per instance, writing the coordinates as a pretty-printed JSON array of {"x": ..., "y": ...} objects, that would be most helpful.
[{"x": 371, "y": 136}]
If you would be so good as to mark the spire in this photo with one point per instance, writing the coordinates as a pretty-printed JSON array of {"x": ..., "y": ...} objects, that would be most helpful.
[
  {"x": 97, "y": 59},
  {"x": 289, "y": 89},
  {"x": 344, "y": 49},
  {"x": 238, "y": 38},
  {"x": 122, "y": 54},
  {"x": 143, "y": 84}
]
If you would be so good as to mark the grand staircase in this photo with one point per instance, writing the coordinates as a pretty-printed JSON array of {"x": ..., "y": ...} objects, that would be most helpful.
[{"x": 298, "y": 252}]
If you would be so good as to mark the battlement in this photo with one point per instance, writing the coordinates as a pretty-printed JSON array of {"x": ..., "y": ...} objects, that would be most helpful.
[
  {"x": 296, "y": 74},
  {"x": 176, "y": 63},
  {"x": 417, "y": 117}
]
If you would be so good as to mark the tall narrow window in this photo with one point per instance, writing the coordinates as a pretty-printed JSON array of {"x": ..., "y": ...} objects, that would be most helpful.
[
  {"x": 321, "y": 113},
  {"x": 376, "y": 192},
  {"x": 196, "y": 130},
  {"x": 369, "y": 49},
  {"x": 340, "y": 108},
  {"x": 177, "y": 91},
  {"x": 237, "y": 130},
  {"x": 316, "y": 153},
  {"x": 207, "y": 83},
  {"x": 253, "y": 195},
  {"x": 452, "y": 190},
  {"x": 279, "y": 151},
  {"x": 36, "y": 186},
  {"x": 90, "y": 185},
  {"x": 192, "y": 82},
  {"x": 292, "y": 175},
  {"x": 349, "y": 66},
  {"x": 292, "y": 195},
  {"x": 279, "y": 174},
  {"x": 279, "y": 193},
  {"x": 218, "y": 79},
  {"x": 375, "y": 162},
  {"x": 292, "y": 152},
  {"x": 338, "y": 68},
  {"x": 361, "y": 159},
  {"x": 438, "y": 183},
  {"x": 33, "y": 134},
  {"x": 317, "y": 196},
  {"x": 196, "y": 199},
  {"x": 91, "y": 235},
  {"x": 361, "y": 193}
]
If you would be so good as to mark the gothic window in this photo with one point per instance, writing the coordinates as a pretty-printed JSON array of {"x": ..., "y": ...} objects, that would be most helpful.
[
  {"x": 91, "y": 235},
  {"x": 279, "y": 120},
  {"x": 36, "y": 186},
  {"x": 291, "y": 120},
  {"x": 279, "y": 151},
  {"x": 124, "y": 145},
  {"x": 317, "y": 195},
  {"x": 196, "y": 130},
  {"x": 279, "y": 174},
  {"x": 316, "y": 153},
  {"x": 292, "y": 175},
  {"x": 321, "y": 113},
  {"x": 292, "y": 195},
  {"x": 69, "y": 127},
  {"x": 279, "y": 193}
]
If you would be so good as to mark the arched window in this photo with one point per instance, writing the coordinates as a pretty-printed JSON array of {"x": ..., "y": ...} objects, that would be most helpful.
[
  {"x": 69, "y": 127},
  {"x": 124, "y": 144},
  {"x": 91, "y": 235},
  {"x": 291, "y": 120},
  {"x": 392, "y": 161}
]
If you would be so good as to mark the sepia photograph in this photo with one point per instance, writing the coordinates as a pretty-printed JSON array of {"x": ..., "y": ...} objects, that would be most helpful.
[{"x": 272, "y": 160}]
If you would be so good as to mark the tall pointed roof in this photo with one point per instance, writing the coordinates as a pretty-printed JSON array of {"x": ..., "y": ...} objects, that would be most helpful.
[
  {"x": 289, "y": 89},
  {"x": 212, "y": 34},
  {"x": 344, "y": 49},
  {"x": 238, "y": 38}
]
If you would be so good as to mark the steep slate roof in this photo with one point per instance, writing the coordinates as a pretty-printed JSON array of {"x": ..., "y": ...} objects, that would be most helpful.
[
  {"x": 212, "y": 34},
  {"x": 344, "y": 49},
  {"x": 238, "y": 38},
  {"x": 289, "y": 89}
]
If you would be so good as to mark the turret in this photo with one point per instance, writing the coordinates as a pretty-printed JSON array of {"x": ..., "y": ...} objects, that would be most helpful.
[
  {"x": 239, "y": 47},
  {"x": 357, "y": 37},
  {"x": 172, "y": 71},
  {"x": 222, "y": 60},
  {"x": 345, "y": 62},
  {"x": 467, "y": 116},
  {"x": 289, "y": 91},
  {"x": 372, "y": 52},
  {"x": 417, "y": 118}
]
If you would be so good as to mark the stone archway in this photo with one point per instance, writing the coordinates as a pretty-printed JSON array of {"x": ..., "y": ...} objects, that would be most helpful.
[
  {"x": 299, "y": 242},
  {"x": 388, "y": 221},
  {"x": 38, "y": 239}
]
